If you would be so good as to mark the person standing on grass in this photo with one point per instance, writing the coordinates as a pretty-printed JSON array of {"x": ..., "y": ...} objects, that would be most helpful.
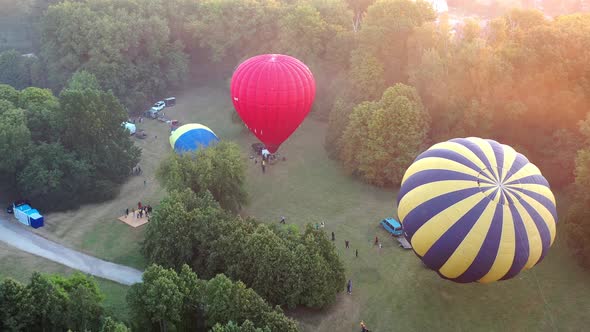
[
  {"x": 346, "y": 244},
  {"x": 356, "y": 252},
  {"x": 364, "y": 327},
  {"x": 282, "y": 219},
  {"x": 349, "y": 286},
  {"x": 333, "y": 237},
  {"x": 144, "y": 183},
  {"x": 263, "y": 164},
  {"x": 376, "y": 240}
]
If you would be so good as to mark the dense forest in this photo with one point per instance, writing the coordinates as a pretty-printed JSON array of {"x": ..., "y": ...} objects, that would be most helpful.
[{"x": 392, "y": 79}]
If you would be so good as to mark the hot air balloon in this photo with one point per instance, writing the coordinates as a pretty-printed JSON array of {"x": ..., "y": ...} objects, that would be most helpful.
[
  {"x": 476, "y": 210},
  {"x": 272, "y": 93},
  {"x": 191, "y": 137}
]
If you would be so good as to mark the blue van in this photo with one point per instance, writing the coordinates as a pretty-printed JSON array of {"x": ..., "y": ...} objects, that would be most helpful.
[{"x": 392, "y": 226}]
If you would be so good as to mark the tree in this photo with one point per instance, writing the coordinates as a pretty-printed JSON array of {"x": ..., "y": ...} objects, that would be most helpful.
[
  {"x": 385, "y": 31},
  {"x": 219, "y": 169},
  {"x": 15, "y": 69},
  {"x": 101, "y": 141},
  {"x": 35, "y": 98},
  {"x": 84, "y": 298},
  {"x": 182, "y": 229},
  {"x": 247, "y": 326},
  {"x": 577, "y": 218},
  {"x": 164, "y": 295},
  {"x": 15, "y": 138},
  {"x": 269, "y": 267},
  {"x": 110, "y": 325},
  {"x": 302, "y": 32},
  {"x": 9, "y": 93},
  {"x": 41, "y": 109},
  {"x": 15, "y": 306},
  {"x": 235, "y": 28},
  {"x": 316, "y": 243},
  {"x": 157, "y": 297},
  {"x": 231, "y": 301},
  {"x": 125, "y": 44},
  {"x": 83, "y": 79},
  {"x": 337, "y": 122},
  {"x": 51, "y": 303},
  {"x": 53, "y": 177},
  {"x": 354, "y": 135},
  {"x": 365, "y": 77},
  {"x": 382, "y": 139},
  {"x": 191, "y": 229}
]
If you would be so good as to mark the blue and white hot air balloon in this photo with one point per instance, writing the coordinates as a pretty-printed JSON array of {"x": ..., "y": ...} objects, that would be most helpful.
[
  {"x": 191, "y": 137},
  {"x": 476, "y": 210}
]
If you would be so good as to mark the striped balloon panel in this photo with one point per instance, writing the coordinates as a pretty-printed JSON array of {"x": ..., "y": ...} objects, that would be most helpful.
[
  {"x": 476, "y": 210},
  {"x": 192, "y": 137}
]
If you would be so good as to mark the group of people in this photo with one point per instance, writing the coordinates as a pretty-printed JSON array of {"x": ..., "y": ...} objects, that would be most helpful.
[
  {"x": 141, "y": 211},
  {"x": 347, "y": 245},
  {"x": 266, "y": 158},
  {"x": 136, "y": 170}
]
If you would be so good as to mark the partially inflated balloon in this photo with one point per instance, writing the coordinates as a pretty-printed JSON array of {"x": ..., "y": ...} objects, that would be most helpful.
[
  {"x": 192, "y": 137},
  {"x": 476, "y": 210},
  {"x": 272, "y": 93}
]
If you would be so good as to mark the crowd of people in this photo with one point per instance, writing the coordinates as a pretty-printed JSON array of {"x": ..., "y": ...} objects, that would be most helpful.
[{"x": 142, "y": 210}]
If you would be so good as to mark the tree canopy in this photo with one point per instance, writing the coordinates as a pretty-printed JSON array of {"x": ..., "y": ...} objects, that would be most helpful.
[
  {"x": 382, "y": 138},
  {"x": 61, "y": 152},
  {"x": 219, "y": 169},
  {"x": 170, "y": 299},
  {"x": 51, "y": 302},
  {"x": 284, "y": 268}
]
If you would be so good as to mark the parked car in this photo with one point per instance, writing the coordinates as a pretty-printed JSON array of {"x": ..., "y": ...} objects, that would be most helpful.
[
  {"x": 392, "y": 226},
  {"x": 151, "y": 113},
  {"x": 159, "y": 106}
]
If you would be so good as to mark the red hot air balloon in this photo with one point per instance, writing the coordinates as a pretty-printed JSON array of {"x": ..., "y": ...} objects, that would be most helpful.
[{"x": 272, "y": 93}]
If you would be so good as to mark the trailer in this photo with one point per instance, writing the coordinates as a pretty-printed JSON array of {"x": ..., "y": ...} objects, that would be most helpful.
[
  {"x": 27, "y": 215},
  {"x": 403, "y": 243},
  {"x": 170, "y": 101}
]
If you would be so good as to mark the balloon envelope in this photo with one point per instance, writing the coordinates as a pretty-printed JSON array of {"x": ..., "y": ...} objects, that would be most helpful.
[
  {"x": 272, "y": 93},
  {"x": 192, "y": 137},
  {"x": 476, "y": 210}
]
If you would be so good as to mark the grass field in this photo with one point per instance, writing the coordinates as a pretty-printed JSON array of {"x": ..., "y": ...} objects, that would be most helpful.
[{"x": 392, "y": 291}]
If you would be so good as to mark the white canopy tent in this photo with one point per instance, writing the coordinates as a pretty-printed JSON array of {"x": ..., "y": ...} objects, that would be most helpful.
[{"x": 130, "y": 127}]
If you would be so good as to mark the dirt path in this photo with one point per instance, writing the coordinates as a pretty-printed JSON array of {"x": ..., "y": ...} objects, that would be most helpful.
[{"x": 18, "y": 236}]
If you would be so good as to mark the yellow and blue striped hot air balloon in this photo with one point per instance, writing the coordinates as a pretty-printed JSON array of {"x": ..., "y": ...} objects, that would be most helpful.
[
  {"x": 192, "y": 137},
  {"x": 476, "y": 210}
]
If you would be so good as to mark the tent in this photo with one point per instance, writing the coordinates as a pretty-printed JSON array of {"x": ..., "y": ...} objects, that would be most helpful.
[{"x": 130, "y": 127}]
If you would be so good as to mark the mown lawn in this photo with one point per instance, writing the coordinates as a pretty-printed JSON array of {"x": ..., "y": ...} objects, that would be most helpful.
[{"x": 392, "y": 291}]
